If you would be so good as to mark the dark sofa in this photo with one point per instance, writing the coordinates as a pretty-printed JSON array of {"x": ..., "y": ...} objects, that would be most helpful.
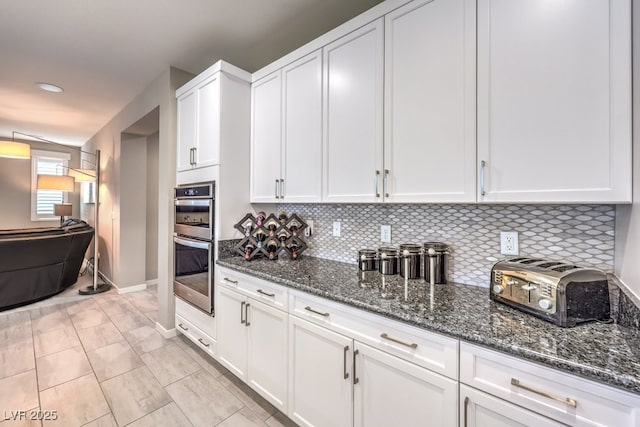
[{"x": 37, "y": 263}]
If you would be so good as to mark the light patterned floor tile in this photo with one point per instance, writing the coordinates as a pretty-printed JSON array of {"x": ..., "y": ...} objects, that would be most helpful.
[
  {"x": 54, "y": 341},
  {"x": 170, "y": 363},
  {"x": 134, "y": 394},
  {"x": 78, "y": 402},
  {"x": 253, "y": 400},
  {"x": 145, "y": 339},
  {"x": 113, "y": 360},
  {"x": 19, "y": 392},
  {"x": 16, "y": 358},
  {"x": 202, "y": 358},
  {"x": 131, "y": 320},
  {"x": 61, "y": 367},
  {"x": 243, "y": 418},
  {"x": 103, "y": 421},
  {"x": 88, "y": 318},
  {"x": 169, "y": 415},
  {"x": 49, "y": 318},
  {"x": 203, "y": 399},
  {"x": 99, "y": 336},
  {"x": 280, "y": 420}
]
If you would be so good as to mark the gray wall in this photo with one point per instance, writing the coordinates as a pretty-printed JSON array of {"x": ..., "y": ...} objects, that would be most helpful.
[
  {"x": 151, "y": 270},
  {"x": 15, "y": 189},
  {"x": 628, "y": 216}
]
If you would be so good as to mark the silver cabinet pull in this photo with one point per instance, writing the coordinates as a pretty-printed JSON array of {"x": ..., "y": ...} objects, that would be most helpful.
[
  {"x": 344, "y": 361},
  {"x": 316, "y": 312},
  {"x": 191, "y": 156},
  {"x": 356, "y": 380},
  {"x": 226, "y": 279},
  {"x": 277, "y": 197},
  {"x": 483, "y": 164},
  {"x": 387, "y": 337},
  {"x": 385, "y": 183},
  {"x": 260, "y": 291},
  {"x": 377, "y": 183},
  {"x": 566, "y": 400},
  {"x": 466, "y": 407},
  {"x": 203, "y": 343},
  {"x": 246, "y": 314},
  {"x": 282, "y": 188},
  {"x": 242, "y": 321},
  {"x": 183, "y": 327}
]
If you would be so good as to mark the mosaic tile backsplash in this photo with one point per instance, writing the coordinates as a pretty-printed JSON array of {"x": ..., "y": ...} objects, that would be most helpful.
[{"x": 581, "y": 234}]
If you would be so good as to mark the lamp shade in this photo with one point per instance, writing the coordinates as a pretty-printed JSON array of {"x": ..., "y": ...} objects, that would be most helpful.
[
  {"x": 82, "y": 175},
  {"x": 15, "y": 150},
  {"x": 63, "y": 209},
  {"x": 55, "y": 182}
]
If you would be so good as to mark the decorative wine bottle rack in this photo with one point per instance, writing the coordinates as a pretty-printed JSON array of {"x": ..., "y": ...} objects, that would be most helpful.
[{"x": 271, "y": 236}]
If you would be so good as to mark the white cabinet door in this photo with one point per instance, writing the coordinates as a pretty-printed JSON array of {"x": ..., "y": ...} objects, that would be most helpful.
[
  {"x": 319, "y": 375},
  {"x": 430, "y": 146},
  {"x": 353, "y": 89},
  {"x": 266, "y": 133},
  {"x": 389, "y": 391},
  {"x": 267, "y": 352},
  {"x": 186, "y": 137},
  {"x": 232, "y": 331},
  {"x": 208, "y": 123},
  {"x": 554, "y": 100},
  {"x": 479, "y": 409},
  {"x": 302, "y": 129}
]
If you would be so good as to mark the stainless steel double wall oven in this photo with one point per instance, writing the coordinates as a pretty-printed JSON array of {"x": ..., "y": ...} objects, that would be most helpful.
[{"x": 193, "y": 244}]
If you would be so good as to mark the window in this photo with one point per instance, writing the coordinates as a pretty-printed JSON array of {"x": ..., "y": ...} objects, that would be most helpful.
[{"x": 42, "y": 201}]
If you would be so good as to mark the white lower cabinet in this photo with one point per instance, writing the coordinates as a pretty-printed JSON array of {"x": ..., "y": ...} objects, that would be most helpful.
[
  {"x": 253, "y": 344},
  {"x": 478, "y": 409},
  {"x": 196, "y": 325},
  {"x": 319, "y": 375},
  {"x": 389, "y": 391}
]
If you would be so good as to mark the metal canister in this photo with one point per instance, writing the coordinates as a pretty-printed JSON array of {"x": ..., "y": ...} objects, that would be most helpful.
[
  {"x": 388, "y": 260},
  {"x": 367, "y": 259},
  {"x": 436, "y": 262},
  {"x": 410, "y": 260}
]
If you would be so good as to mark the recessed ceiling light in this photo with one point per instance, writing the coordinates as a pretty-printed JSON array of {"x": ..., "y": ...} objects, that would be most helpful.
[{"x": 49, "y": 87}]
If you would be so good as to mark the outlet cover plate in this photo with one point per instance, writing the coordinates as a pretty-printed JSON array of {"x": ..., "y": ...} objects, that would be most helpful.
[
  {"x": 385, "y": 233},
  {"x": 336, "y": 229},
  {"x": 509, "y": 243}
]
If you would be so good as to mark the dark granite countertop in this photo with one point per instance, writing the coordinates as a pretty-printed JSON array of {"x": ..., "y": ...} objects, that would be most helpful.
[{"x": 607, "y": 353}]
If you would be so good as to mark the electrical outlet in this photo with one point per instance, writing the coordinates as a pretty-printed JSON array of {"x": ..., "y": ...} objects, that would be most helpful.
[
  {"x": 336, "y": 229},
  {"x": 308, "y": 232},
  {"x": 509, "y": 243},
  {"x": 385, "y": 233}
]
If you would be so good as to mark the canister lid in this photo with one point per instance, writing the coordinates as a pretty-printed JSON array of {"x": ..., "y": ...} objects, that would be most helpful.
[
  {"x": 387, "y": 251},
  {"x": 436, "y": 246},
  {"x": 410, "y": 249},
  {"x": 365, "y": 254}
]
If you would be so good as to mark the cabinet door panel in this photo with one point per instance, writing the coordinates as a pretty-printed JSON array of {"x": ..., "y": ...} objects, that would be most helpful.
[
  {"x": 232, "y": 332},
  {"x": 430, "y": 146},
  {"x": 186, "y": 130},
  {"x": 319, "y": 393},
  {"x": 266, "y": 133},
  {"x": 208, "y": 123},
  {"x": 554, "y": 118},
  {"x": 267, "y": 353},
  {"x": 302, "y": 125},
  {"x": 353, "y": 72},
  {"x": 426, "y": 398}
]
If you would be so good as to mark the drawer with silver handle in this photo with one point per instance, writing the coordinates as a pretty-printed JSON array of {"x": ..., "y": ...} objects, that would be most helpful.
[
  {"x": 563, "y": 397},
  {"x": 261, "y": 290},
  {"x": 196, "y": 335}
]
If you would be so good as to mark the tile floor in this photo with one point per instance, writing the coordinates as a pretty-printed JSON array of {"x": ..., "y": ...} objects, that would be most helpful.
[{"x": 98, "y": 361}]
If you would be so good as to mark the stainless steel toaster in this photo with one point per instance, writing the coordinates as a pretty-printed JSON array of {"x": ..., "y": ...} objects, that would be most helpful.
[{"x": 562, "y": 293}]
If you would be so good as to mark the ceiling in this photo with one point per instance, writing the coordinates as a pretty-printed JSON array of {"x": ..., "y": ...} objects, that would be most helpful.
[{"x": 104, "y": 53}]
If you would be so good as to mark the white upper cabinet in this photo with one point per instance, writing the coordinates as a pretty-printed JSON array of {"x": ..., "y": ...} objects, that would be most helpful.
[
  {"x": 554, "y": 101},
  {"x": 199, "y": 126},
  {"x": 430, "y": 146},
  {"x": 302, "y": 126},
  {"x": 266, "y": 134},
  {"x": 353, "y": 77}
]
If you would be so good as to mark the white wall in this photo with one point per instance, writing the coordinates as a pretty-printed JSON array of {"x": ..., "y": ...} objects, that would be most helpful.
[
  {"x": 628, "y": 216},
  {"x": 160, "y": 93},
  {"x": 15, "y": 189}
]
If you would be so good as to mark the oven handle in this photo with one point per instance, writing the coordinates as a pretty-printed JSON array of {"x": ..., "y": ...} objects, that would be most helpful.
[
  {"x": 193, "y": 202},
  {"x": 192, "y": 243}
]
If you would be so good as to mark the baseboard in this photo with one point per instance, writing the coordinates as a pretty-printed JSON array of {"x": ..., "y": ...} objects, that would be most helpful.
[
  {"x": 167, "y": 333},
  {"x": 152, "y": 282},
  {"x": 134, "y": 288}
]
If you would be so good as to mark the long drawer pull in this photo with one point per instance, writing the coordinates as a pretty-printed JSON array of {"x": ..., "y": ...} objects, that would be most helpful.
[
  {"x": 566, "y": 400},
  {"x": 387, "y": 337},
  {"x": 183, "y": 327},
  {"x": 226, "y": 279},
  {"x": 260, "y": 291},
  {"x": 356, "y": 380},
  {"x": 316, "y": 312},
  {"x": 344, "y": 361},
  {"x": 242, "y": 311},
  {"x": 466, "y": 410},
  {"x": 246, "y": 315},
  {"x": 203, "y": 343}
]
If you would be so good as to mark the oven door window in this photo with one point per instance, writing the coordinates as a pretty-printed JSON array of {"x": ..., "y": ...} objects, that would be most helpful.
[
  {"x": 193, "y": 213},
  {"x": 192, "y": 262}
]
